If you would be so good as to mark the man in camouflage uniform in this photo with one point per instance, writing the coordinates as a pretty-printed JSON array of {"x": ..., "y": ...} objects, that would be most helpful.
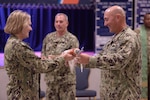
[
  {"x": 61, "y": 82},
  {"x": 21, "y": 64},
  {"x": 119, "y": 61},
  {"x": 144, "y": 33}
]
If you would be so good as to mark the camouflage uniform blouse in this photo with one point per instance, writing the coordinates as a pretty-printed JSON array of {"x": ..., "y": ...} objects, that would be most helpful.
[
  {"x": 23, "y": 68},
  {"x": 120, "y": 64},
  {"x": 53, "y": 45}
]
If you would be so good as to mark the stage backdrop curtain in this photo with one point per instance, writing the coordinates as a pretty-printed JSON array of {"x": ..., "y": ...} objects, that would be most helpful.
[{"x": 81, "y": 23}]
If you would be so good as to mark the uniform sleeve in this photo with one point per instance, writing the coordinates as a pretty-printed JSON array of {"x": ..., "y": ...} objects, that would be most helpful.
[
  {"x": 28, "y": 59},
  {"x": 75, "y": 42},
  {"x": 43, "y": 47},
  {"x": 137, "y": 30},
  {"x": 115, "y": 60}
]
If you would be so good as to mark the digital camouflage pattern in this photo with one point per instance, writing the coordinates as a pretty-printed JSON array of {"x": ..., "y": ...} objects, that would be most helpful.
[
  {"x": 23, "y": 68},
  {"x": 61, "y": 82},
  {"x": 120, "y": 64}
]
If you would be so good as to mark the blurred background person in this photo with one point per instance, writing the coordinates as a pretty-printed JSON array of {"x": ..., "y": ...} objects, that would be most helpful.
[
  {"x": 61, "y": 83},
  {"x": 144, "y": 33},
  {"x": 119, "y": 60},
  {"x": 21, "y": 64}
]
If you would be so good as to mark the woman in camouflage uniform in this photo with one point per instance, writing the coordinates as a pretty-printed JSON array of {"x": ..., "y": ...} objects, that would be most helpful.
[{"x": 21, "y": 64}]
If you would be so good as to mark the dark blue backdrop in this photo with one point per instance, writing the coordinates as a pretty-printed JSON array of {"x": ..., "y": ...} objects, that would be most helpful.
[{"x": 81, "y": 23}]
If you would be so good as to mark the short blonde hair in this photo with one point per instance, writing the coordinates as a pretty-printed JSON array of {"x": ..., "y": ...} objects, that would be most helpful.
[{"x": 15, "y": 22}]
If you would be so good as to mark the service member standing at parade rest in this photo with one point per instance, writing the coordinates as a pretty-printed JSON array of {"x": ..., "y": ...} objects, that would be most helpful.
[{"x": 61, "y": 83}]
